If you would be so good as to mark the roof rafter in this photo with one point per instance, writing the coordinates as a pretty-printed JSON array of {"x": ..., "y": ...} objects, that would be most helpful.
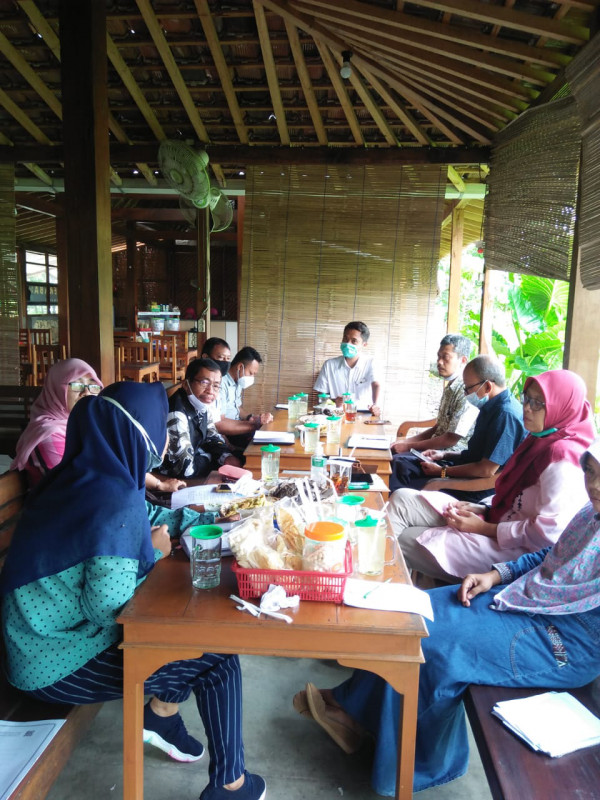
[
  {"x": 305, "y": 81},
  {"x": 340, "y": 90},
  {"x": 271, "y": 73},
  {"x": 396, "y": 106}
]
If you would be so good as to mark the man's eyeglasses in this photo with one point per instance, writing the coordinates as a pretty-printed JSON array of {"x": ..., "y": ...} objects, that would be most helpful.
[
  {"x": 80, "y": 388},
  {"x": 467, "y": 389},
  {"x": 533, "y": 403},
  {"x": 205, "y": 383}
]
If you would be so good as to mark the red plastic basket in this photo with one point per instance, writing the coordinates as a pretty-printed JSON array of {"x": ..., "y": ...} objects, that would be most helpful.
[{"x": 324, "y": 586}]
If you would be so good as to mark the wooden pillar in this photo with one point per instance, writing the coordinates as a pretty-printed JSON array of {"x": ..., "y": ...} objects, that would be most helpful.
[
  {"x": 131, "y": 279},
  {"x": 582, "y": 337},
  {"x": 82, "y": 25},
  {"x": 203, "y": 298},
  {"x": 458, "y": 216},
  {"x": 486, "y": 315},
  {"x": 63, "y": 281}
]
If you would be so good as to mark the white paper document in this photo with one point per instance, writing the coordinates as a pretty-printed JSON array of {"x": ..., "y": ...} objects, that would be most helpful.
[
  {"x": 370, "y": 442},
  {"x": 553, "y": 722},
  {"x": 202, "y": 496},
  {"x": 21, "y": 744},
  {"x": 284, "y": 406},
  {"x": 275, "y": 437},
  {"x": 387, "y": 597}
]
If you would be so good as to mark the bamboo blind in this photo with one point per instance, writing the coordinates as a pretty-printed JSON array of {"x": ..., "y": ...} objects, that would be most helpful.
[
  {"x": 530, "y": 208},
  {"x": 324, "y": 245},
  {"x": 9, "y": 281},
  {"x": 583, "y": 74}
]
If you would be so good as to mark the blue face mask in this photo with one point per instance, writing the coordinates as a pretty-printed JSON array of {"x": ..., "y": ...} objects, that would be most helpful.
[
  {"x": 476, "y": 401},
  {"x": 348, "y": 350}
]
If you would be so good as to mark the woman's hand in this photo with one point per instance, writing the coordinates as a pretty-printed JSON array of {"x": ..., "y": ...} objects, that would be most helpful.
[
  {"x": 466, "y": 521},
  {"x": 161, "y": 539},
  {"x": 170, "y": 485},
  {"x": 475, "y": 584}
]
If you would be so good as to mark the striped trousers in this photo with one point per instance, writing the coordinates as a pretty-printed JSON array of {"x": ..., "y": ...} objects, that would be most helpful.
[{"x": 215, "y": 680}]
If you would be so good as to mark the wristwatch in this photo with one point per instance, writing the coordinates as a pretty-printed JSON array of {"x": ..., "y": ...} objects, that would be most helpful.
[{"x": 444, "y": 472}]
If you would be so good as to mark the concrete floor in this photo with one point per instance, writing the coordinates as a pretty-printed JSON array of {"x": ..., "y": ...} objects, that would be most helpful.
[{"x": 296, "y": 758}]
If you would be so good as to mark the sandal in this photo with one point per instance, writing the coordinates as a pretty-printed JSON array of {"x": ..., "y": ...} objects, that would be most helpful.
[{"x": 345, "y": 736}]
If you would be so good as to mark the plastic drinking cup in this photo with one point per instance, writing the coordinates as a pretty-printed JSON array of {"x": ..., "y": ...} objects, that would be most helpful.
[
  {"x": 348, "y": 508},
  {"x": 269, "y": 463},
  {"x": 205, "y": 557},
  {"x": 309, "y": 436},
  {"x": 340, "y": 473},
  {"x": 371, "y": 534},
  {"x": 334, "y": 429}
]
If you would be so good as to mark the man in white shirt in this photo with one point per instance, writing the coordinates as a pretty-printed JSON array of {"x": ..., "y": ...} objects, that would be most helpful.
[{"x": 352, "y": 371}]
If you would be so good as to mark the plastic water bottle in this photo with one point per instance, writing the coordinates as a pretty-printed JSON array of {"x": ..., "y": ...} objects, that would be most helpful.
[{"x": 318, "y": 466}]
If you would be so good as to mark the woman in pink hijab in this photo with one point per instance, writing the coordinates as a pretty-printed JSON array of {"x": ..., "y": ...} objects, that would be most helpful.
[{"x": 42, "y": 443}]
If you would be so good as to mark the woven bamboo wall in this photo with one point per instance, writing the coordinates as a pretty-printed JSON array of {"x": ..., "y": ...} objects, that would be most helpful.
[
  {"x": 326, "y": 245},
  {"x": 9, "y": 281}
]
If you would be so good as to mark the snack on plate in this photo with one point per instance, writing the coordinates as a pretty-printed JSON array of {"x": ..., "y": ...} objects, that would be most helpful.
[
  {"x": 288, "y": 488},
  {"x": 234, "y": 507}
]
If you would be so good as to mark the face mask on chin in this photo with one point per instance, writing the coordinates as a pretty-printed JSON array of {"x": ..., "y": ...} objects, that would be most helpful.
[
  {"x": 196, "y": 403},
  {"x": 476, "y": 401},
  {"x": 348, "y": 350}
]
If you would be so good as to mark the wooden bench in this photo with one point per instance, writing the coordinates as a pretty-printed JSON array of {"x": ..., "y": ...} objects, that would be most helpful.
[
  {"x": 516, "y": 772},
  {"x": 15, "y": 408},
  {"x": 15, "y": 705}
]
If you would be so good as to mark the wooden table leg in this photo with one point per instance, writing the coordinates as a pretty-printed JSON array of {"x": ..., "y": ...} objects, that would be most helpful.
[
  {"x": 404, "y": 678},
  {"x": 133, "y": 721}
]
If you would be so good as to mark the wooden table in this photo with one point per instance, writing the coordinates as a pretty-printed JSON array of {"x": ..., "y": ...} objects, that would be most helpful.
[
  {"x": 293, "y": 457},
  {"x": 168, "y": 619}
]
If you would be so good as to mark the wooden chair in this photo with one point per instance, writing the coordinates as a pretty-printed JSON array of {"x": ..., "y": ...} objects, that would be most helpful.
[
  {"x": 41, "y": 336},
  {"x": 405, "y": 427},
  {"x": 42, "y": 358},
  {"x": 165, "y": 352},
  {"x": 124, "y": 336},
  {"x": 135, "y": 362}
]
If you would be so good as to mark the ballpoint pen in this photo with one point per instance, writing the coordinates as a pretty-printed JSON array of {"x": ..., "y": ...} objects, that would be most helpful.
[{"x": 377, "y": 586}]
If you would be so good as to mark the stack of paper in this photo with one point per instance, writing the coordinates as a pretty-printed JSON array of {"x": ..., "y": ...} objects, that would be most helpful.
[
  {"x": 274, "y": 437},
  {"x": 553, "y": 722},
  {"x": 370, "y": 442},
  {"x": 383, "y": 596}
]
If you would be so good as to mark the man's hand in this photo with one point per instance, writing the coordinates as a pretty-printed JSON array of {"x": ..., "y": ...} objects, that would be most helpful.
[
  {"x": 429, "y": 468},
  {"x": 400, "y": 446},
  {"x": 375, "y": 410},
  {"x": 475, "y": 584},
  {"x": 263, "y": 419},
  {"x": 160, "y": 539},
  {"x": 232, "y": 461},
  {"x": 434, "y": 455},
  {"x": 170, "y": 485}
]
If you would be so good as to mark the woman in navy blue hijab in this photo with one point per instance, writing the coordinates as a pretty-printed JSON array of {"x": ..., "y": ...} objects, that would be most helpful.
[{"x": 82, "y": 546}]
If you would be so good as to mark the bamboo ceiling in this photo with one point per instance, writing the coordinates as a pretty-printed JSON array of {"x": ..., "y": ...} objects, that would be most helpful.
[{"x": 259, "y": 79}]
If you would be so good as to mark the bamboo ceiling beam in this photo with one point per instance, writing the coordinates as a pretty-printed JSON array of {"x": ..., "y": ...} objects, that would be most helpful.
[
  {"x": 43, "y": 27},
  {"x": 559, "y": 30},
  {"x": 396, "y": 106},
  {"x": 387, "y": 19},
  {"x": 455, "y": 179},
  {"x": 429, "y": 110},
  {"x": 270, "y": 71},
  {"x": 420, "y": 48},
  {"x": 371, "y": 106},
  {"x": 340, "y": 90},
  {"x": 23, "y": 119},
  {"x": 212, "y": 39},
  {"x": 36, "y": 170},
  {"x": 246, "y": 155},
  {"x": 305, "y": 82},
  {"x": 36, "y": 83}
]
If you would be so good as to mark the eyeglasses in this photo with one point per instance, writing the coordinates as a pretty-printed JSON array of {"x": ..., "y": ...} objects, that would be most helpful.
[
  {"x": 467, "y": 389},
  {"x": 205, "y": 383},
  {"x": 533, "y": 403},
  {"x": 80, "y": 388}
]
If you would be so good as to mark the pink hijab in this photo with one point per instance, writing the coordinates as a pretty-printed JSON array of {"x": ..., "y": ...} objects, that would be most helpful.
[
  {"x": 569, "y": 412},
  {"x": 49, "y": 413}
]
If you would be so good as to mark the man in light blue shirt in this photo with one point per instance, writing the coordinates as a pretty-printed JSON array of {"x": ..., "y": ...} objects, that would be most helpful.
[{"x": 239, "y": 429}]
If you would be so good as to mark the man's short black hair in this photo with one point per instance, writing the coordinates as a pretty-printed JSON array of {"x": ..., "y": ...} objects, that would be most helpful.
[
  {"x": 194, "y": 367},
  {"x": 462, "y": 346},
  {"x": 210, "y": 344},
  {"x": 361, "y": 328},
  {"x": 246, "y": 356}
]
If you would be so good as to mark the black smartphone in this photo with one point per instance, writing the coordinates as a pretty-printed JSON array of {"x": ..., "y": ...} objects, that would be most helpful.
[{"x": 361, "y": 477}]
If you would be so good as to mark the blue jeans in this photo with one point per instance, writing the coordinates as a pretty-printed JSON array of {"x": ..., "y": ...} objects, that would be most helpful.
[{"x": 468, "y": 645}]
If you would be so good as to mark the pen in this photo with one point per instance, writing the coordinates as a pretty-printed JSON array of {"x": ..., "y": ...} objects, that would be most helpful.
[{"x": 374, "y": 589}]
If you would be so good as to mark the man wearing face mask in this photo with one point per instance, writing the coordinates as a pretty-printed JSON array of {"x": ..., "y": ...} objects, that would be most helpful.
[
  {"x": 238, "y": 427},
  {"x": 471, "y": 474},
  {"x": 455, "y": 421},
  {"x": 195, "y": 446},
  {"x": 352, "y": 371}
]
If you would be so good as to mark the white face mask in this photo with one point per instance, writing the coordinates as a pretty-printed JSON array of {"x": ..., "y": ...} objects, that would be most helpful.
[
  {"x": 246, "y": 381},
  {"x": 196, "y": 403}
]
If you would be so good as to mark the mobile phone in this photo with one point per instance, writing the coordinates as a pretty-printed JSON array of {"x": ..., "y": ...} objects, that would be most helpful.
[
  {"x": 419, "y": 455},
  {"x": 361, "y": 477},
  {"x": 222, "y": 487}
]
